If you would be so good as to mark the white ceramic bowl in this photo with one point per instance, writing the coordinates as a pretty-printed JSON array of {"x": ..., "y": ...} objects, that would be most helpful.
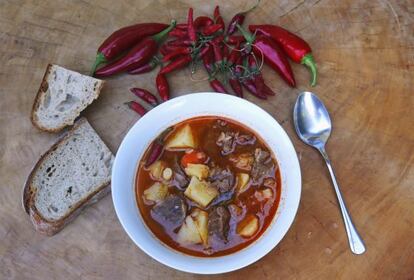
[{"x": 177, "y": 110}]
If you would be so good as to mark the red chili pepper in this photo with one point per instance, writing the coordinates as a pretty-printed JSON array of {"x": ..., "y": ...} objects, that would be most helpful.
[
  {"x": 217, "y": 17},
  {"x": 145, "y": 95},
  {"x": 177, "y": 52},
  {"x": 236, "y": 86},
  {"x": 218, "y": 39},
  {"x": 137, "y": 56},
  {"x": 208, "y": 61},
  {"x": 295, "y": 47},
  {"x": 225, "y": 52},
  {"x": 257, "y": 78},
  {"x": 157, "y": 147},
  {"x": 204, "y": 51},
  {"x": 147, "y": 67},
  {"x": 202, "y": 21},
  {"x": 138, "y": 108},
  {"x": 218, "y": 57},
  {"x": 179, "y": 33},
  {"x": 267, "y": 90},
  {"x": 211, "y": 29},
  {"x": 182, "y": 26},
  {"x": 234, "y": 55},
  {"x": 274, "y": 57},
  {"x": 162, "y": 87},
  {"x": 217, "y": 86},
  {"x": 180, "y": 62},
  {"x": 123, "y": 39},
  {"x": 252, "y": 88},
  {"x": 235, "y": 39},
  {"x": 238, "y": 19},
  {"x": 190, "y": 27}
]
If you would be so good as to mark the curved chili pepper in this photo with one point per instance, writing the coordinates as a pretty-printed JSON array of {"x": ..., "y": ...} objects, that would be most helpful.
[
  {"x": 202, "y": 21},
  {"x": 211, "y": 29},
  {"x": 252, "y": 88},
  {"x": 137, "y": 56},
  {"x": 157, "y": 147},
  {"x": 138, "y": 108},
  {"x": 180, "y": 62},
  {"x": 235, "y": 39},
  {"x": 178, "y": 33},
  {"x": 217, "y": 86},
  {"x": 208, "y": 60},
  {"x": 190, "y": 27},
  {"x": 295, "y": 47},
  {"x": 147, "y": 67},
  {"x": 177, "y": 52},
  {"x": 267, "y": 90},
  {"x": 123, "y": 39},
  {"x": 257, "y": 76},
  {"x": 274, "y": 57},
  {"x": 236, "y": 87},
  {"x": 162, "y": 87},
  {"x": 238, "y": 19},
  {"x": 218, "y": 56},
  {"x": 145, "y": 95},
  {"x": 217, "y": 17}
]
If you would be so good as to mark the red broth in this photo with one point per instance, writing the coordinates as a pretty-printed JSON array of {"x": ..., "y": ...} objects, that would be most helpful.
[{"x": 243, "y": 215}]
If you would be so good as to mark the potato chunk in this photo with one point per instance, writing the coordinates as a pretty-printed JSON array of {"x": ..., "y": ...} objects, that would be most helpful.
[
  {"x": 156, "y": 169},
  {"x": 248, "y": 226},
  {"x": 242, "y": 182},
  {"x": 156, "y": 193},
  {"x": 263, "y": 195},
  {"x": 200, "y": 192},
  {"x": 200, "y": 218},
  {"x": 198, "y": 170},
  {"x": 188, "y": 233},
  {"x": 183, "y": 138}
]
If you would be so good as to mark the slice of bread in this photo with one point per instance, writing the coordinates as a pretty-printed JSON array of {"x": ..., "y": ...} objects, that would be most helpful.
[
  {"x": 73, "y": 173},
  {"x": 62, "y": 95}
]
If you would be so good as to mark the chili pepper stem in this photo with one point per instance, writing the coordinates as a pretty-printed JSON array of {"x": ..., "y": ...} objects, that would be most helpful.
[
  {"x": 250, "y": 37},
  {"x": 100, "y": 58},
  {"x": 310, "y": 63},
  {"x": 159, "y": 36}
]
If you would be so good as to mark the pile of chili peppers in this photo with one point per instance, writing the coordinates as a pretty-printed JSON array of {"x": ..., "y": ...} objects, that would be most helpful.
[{"x": 230, "y": 59}]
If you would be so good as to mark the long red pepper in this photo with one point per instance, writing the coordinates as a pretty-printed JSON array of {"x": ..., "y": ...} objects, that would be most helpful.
[
  {"x": 147, "y": 67},
  {"x": 251, "y": 87},
  {"x": 218, "y": 56},
  {"x": 204, "y": 51},
  {"x": 178, "y": 33},
  {"x": 217, "y": 17},
  {"x": 138, "y": 108},
  {"x": 273, "y": 56},
  {"x": 208, "y": 60},
  {"x": 137, "y": 56},
  {"x": 190, "y": 27},
  {"x": 162, "y": 87},
  {"x": 177, "y": 52},
  {"x": 180, "y": 62},
  {"x": 235, "y": 82},
  {"x": 217, "y": 86},
  {"x": 202, "y": 21},
  {"x": 123, "y": 39},
  {"x": 235, "y": 39},
  {"x": 258, "y": 78},
  {"x": 157, "y": 147},
  {"x": 234, "y": 55},
  {"x": 295, "y": 47},
  {"x": 145, "y": 95},
  {"x": 238, "y": 19}
]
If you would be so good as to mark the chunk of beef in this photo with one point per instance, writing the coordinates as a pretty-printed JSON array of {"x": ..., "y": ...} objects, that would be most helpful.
[
  {"x": 221, "y": 179},
  {"x": 227, "y": 142},
  {"x": 262, "y": 166},
  {"x": 243, "y": 161},
  {"x": 171, "y": 212},
  {"x": 245, "y": 139},
  {"x": 218, "y": 223}
]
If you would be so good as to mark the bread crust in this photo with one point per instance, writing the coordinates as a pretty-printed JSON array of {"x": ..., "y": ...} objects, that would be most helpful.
[
  {"x": 40, "y": 223},
  {"x": 44, "y": 85}
]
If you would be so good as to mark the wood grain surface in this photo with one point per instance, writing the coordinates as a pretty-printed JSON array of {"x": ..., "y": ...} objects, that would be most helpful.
[{"x": 365, "y": 54}]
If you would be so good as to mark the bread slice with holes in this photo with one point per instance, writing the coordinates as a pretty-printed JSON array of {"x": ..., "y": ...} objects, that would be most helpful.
[
  {"x": 62, "y": 95},
  {"x": 72, "y": 174}
]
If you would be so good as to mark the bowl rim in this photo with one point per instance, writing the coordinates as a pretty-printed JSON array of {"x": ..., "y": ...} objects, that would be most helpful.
[{"x": 139, "y": 241}]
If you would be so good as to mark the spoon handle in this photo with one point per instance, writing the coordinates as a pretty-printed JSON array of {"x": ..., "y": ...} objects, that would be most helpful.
[{"x": 355, "y": 241}]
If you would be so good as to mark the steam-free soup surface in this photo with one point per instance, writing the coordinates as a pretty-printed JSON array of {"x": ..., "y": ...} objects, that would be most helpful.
[{"x": 213, "y": 190}]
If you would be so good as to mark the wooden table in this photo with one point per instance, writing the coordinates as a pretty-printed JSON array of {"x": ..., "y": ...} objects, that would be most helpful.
[{"x": 365, "y": 54}]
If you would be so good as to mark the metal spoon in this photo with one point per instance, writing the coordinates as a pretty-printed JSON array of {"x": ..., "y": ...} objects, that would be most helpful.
[{"x": 313, "y": 125}]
